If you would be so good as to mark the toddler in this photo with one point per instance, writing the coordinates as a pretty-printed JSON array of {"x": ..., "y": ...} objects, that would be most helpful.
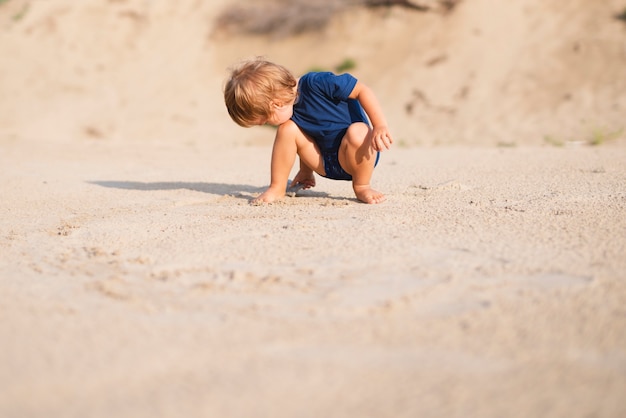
[{"x": 321, "y": 117}]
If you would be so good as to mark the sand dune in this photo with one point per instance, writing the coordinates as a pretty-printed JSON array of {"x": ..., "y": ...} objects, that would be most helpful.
[{"x": 521, "y": 72}]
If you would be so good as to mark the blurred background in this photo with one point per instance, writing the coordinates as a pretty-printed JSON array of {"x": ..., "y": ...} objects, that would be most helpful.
[{"x": 448, "y": 72}]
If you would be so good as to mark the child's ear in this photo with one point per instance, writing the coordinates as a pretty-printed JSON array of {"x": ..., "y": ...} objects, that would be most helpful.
[{"x": 276, "y": 105}]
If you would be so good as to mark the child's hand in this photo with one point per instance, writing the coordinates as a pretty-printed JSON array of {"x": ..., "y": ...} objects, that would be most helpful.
[
  {"x": 381, "y": 138},
  {"x": 305, "y": 178}
]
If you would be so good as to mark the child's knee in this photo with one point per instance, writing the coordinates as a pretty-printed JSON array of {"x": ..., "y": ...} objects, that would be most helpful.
[{"x": 357, "y": 134}]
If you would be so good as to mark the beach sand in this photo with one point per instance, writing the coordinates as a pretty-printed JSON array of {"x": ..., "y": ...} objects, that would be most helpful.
[{"x": 136, "y": 280}]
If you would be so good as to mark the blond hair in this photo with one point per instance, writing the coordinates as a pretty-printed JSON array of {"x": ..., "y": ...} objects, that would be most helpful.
[{"x": 252, "y": 87}]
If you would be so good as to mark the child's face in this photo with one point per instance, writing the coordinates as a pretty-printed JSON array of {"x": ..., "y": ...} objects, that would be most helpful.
[{"x": 281, "y": 113}]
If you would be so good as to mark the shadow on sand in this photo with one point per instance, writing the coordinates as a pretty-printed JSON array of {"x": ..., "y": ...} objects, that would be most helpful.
[
  {"x": 221, "y": 189},
  {"x": 242, "y": 191}
]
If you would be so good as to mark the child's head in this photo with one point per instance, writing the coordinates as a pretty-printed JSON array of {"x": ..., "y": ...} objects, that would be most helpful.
[{"x": 254, "y": 87}]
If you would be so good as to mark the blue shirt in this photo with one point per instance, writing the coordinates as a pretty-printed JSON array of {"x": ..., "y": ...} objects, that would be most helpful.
[{"x": 323, "y": 110}]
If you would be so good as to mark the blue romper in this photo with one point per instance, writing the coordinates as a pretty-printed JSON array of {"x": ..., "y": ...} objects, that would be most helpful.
[{"x": 324, "y": 112}]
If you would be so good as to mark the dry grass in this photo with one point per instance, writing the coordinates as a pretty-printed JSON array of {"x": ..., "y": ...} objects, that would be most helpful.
[{"x": 289, "y": 17}]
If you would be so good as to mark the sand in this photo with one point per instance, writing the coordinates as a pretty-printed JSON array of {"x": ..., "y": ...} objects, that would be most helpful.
[{"x": 136, "y": 280}]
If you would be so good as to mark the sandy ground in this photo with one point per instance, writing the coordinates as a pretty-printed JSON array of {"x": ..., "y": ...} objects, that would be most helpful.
[
  {"x": 520, "y": 72},
  {"x": 137, "y": 281}
]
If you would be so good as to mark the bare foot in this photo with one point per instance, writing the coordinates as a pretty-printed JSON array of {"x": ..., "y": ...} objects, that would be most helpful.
[
  {"x": 368, "y": 195},
  {"x": 268, "y": 196}
]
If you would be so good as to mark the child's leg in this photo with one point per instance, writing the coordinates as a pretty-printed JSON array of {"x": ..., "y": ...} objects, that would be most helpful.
[
  {"x": 358, "y": 158},
  {"x": 289, "y": 141}
]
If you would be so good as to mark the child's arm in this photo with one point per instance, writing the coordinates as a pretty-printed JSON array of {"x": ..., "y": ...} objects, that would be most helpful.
[{"x": 381, "y": 137}]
